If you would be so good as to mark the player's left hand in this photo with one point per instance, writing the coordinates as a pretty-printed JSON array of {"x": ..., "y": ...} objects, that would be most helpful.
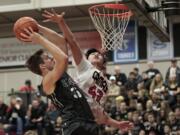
[
  {"x": 52, "y": 16},
  {"x": 103, "y": 50},
  {"x": 125, "y": 125}
]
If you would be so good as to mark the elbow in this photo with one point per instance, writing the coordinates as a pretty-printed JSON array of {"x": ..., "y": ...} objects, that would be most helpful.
[{"x": 64, "y": 60}]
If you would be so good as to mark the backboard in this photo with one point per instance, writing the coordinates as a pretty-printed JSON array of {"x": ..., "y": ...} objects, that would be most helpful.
[{"x": 155, "y": 21}]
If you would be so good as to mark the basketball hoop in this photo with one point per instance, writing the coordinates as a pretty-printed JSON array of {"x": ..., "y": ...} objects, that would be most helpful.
[{"x": 111, "y": 21}]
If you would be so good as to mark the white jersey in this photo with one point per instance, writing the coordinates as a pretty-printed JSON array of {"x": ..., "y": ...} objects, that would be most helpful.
[{"x": 92, "y": 82}]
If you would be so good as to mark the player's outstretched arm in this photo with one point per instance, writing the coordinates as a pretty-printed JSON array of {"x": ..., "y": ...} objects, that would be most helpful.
[
  {"x": 58, "y": 18},
  {"x": 61, "y": 59},
  {"x": 54, "y": 37},
  {"x": 102, "y": 117},
  {"x": 122, "y": 125}
]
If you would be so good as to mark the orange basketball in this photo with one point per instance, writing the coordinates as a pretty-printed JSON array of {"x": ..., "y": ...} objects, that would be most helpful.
[{"x": 24, "y": 22}]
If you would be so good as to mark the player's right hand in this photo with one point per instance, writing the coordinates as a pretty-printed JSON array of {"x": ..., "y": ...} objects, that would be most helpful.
[
  {"x": 52, "y": 16},
  {"x": 30, "y": 36}
]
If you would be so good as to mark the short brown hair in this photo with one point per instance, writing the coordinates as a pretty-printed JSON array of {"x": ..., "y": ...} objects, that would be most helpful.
[{"x": 34, "y": 61}]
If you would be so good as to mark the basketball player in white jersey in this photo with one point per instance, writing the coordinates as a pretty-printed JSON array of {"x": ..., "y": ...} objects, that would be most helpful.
[{"x": 90, "y": 78}]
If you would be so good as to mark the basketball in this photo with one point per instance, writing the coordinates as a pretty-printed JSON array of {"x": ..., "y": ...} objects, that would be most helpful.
[{"x": 24, "y": 22}]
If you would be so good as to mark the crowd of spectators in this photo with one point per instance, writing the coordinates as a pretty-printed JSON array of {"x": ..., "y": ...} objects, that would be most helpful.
[
  {"x": 149, "y": 101},
  {"x": 146, "y": 99}
]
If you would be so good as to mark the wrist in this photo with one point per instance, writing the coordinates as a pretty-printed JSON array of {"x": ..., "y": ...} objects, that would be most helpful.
[
  {"x": 60, "y": 20},
  {"x": 41, "y": 28},
  {"x": 39, "y": 39}
]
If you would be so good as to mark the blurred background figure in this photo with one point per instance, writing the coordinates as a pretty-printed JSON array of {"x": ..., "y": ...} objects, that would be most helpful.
[
  {"x": 120, "y": 77},
  {"x": 114, "y": 89},
  {"x": 36, "y": 117},
  {"x": 173, "y": 70},
  {"x": 3, "y": 110},
  {"x": 27, "y": 87},
  {"x": 28, "y": 90},
  {"x": 15, "y": 117},
  {"x": 151, "y": 71}
]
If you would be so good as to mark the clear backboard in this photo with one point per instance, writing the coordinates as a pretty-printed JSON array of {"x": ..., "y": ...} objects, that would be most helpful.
[{"x": 156, "y": 22}]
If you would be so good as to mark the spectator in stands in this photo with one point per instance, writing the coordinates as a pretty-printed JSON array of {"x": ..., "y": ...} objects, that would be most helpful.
[
  {"x": 161, "y": 119},
  {"x": 157, "y": 84},
  {"x": 121, "y": 112},
  {"x": 146, "y": 81},
  {"x": 43, "y": 106},
  {"x": 151, "y": 125},
  {"x": 3, "y": 110},
  {"x": 164, "y": 110},
  {"x": 177, "y": 112},
  {"x": 166, "y": 130},
  {"x": 36, "y": 117},
  {"x": 50, "y": 118},
  {"x": 173, "y": 123},
  {"x": 156, "y": 99},
  {"x": 172, "y": 90},
  {"x": 15, "y": 117},
  {"x": 151, "y": 72},
  {"x": 137, "y": 75},
  {"x": 142, "y": 95},
  {"x": 172, "y": 85},
  {"x": 131, "y": 82},
  {"x": 120, "y": 77},
  {"x": 138, "y": 123},
  {"x": 173, "y": 70},
  {"x": 142, "y": 132},
  {"x": 27, "y": 87},
  {"x": 140, "y": 109},
  {"x": 114, "y": 89},
  {"x": 149, "y": 106},
  {"x": 58, "y": 127},
  {"x": 132, "y": 105}
]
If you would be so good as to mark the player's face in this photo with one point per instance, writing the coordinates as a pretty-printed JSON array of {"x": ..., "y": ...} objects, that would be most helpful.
[
  {"x": 48, "y": 61},
  {"x": 96, "y": 58}
]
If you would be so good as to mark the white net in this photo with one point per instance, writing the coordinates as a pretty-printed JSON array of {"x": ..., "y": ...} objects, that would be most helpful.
[{"x": 111, "y": 21}]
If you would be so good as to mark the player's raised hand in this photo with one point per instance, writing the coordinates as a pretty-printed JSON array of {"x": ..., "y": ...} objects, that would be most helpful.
[
  {"x": 103, "y": 50},
  {"x": 52, "y": 16},
  {"x": 30, "y": 36}
]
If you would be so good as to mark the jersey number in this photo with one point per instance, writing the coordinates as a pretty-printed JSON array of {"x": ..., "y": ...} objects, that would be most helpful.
[{"x": 95, "y": 93}]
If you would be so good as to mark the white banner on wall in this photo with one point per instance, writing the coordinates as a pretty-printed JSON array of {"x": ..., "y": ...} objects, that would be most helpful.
[
  {"x": 14, "y": 52},
  {"x": 158, "y": 50}
]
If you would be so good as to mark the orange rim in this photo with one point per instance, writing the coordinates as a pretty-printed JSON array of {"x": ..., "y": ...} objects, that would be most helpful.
[{"x": 127, "y": 14}]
